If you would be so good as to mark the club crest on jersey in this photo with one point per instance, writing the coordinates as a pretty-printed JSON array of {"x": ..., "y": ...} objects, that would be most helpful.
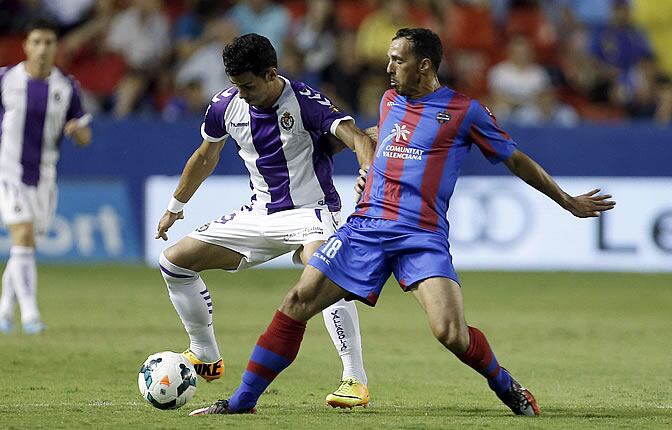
[
  {"x": 443, "y": 117},
  {"x": 287, "y": 121}
]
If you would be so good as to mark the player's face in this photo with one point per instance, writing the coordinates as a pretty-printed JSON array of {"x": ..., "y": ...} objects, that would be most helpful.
[
  {"x": 403, "y": 67},
  {"x": 40, "y": 47},
  {"x": 254, "y": 89}
]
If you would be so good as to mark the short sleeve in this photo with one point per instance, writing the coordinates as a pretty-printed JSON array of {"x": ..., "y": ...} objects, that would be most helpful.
[
  {"x": 75, "y": 109},
  {"x": 213, "y": 128},
  {"x": 317, "y": 111},
  {"x": 495, "y": 144}
]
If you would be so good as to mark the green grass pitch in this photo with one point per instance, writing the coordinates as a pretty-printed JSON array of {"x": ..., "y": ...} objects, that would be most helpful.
[{"x": 594, "y": 348}]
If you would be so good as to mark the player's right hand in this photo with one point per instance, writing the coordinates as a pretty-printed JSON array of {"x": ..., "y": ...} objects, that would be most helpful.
[{"x": 166, "y": 221}]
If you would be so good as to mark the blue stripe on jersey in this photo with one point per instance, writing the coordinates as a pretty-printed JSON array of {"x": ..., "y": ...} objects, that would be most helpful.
[
  {"x": 426, "y": 131},
  {"x": 37, "y": 95},
  {"x": 271, "y": 163},
  {"x": 451, "y": 171},
  {"x": 454, "y": 163}
]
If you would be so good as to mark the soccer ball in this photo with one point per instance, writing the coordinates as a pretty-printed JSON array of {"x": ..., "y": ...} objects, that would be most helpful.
[{"x": 167, "y": 380}]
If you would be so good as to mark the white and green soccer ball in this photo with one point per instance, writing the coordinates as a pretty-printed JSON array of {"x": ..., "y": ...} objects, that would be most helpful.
[{"x": 167, "y": 380}]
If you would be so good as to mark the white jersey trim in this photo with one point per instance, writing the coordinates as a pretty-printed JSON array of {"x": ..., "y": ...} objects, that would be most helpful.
[
  {"x": 210, "y": 138},
  {"x": 334, "y": 124}
]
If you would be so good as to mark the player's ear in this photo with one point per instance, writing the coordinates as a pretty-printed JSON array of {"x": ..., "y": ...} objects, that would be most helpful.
[
  {"x": 271, "y": 74},
  {"x": 425, "y": 65}
]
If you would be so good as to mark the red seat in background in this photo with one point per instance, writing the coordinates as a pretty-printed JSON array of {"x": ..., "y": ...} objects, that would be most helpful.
[
  {"x": 99, "y": 74},
  {"x": 11, "y": 50}
]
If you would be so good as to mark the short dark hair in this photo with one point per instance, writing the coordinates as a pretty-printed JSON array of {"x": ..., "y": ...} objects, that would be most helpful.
[
  {"x": 249, "y": 53},
  {"x": 425, "y": 44},
  {"x": 41, "y": 23}
]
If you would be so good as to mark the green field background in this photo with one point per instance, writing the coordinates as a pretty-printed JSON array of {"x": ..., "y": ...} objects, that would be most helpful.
[{"x": 595, "y": 349}]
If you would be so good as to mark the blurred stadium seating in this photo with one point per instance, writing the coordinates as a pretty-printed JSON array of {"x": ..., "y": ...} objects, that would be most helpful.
[
  {"x": 567, "y": 43},
  {"x": 623, "y": 116}
]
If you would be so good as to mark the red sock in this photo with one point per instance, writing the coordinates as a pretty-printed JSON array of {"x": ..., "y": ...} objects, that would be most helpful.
[
  {"x": 479, "y": 356},
  {"x": 283, "y": 336},
  {"x": 275, "y": 350}
]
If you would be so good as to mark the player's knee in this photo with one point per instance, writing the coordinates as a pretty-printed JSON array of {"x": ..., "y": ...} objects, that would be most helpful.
[
  {"x": 452, "y": 334},
  {"x": 297, "y": 305},
  {"x": 174, "y": 274},
  {"x": 170, "y": 254}
]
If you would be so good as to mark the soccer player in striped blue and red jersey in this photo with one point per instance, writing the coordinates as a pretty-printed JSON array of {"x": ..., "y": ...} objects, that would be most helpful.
[{"x": 399, "y": 227}]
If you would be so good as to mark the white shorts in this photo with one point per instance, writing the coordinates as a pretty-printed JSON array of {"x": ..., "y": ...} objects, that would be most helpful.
[
  {"x": 21, "y": 203},
  {"x": 260, "y": 237}
]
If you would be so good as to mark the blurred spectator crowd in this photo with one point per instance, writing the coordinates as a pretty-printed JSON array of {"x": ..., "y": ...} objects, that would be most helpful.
[{"x": 534, "y": 62}]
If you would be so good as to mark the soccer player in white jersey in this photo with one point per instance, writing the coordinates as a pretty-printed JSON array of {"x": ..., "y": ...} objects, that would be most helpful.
[
  {"x": 38, "y": 105},
  {"x": 282, "y": 129}
]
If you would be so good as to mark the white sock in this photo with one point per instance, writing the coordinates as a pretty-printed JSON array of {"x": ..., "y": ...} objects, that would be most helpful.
[
  {"x": 23, "y": 272},
  {"x": 193, "y": 304},
  {"x": 342, "y": 322},
  {"x": 7, "y": 299}
]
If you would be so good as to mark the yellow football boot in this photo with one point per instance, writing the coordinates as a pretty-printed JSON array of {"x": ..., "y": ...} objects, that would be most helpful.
[
  {"x": 349, "y": 394},
  {"x": 207, "y": 371}
]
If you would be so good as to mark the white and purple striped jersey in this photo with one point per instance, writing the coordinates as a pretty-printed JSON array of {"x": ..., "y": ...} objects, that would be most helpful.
[
  {"x": 32, "y": 115},
  {"x": 283, "y": 147}
]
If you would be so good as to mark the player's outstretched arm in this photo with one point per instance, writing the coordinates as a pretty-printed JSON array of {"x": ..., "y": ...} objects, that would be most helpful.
[
  {"x": 199, "y": 166},
  {"x": 585, "y": 205}
]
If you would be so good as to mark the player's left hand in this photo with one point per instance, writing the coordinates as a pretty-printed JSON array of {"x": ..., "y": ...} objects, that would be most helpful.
[{"x": 590, "y": 204}]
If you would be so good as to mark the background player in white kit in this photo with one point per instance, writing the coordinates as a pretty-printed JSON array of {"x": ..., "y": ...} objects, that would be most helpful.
[
  {"x": 281, "y": 128},
  {"x": 38, "y": 104}
]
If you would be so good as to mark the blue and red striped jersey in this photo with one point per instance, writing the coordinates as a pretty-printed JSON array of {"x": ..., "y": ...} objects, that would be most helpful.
[{"x": 422, "y": 144}]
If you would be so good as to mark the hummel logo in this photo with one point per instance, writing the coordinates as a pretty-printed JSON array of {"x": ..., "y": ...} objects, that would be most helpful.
[
  {"x": 240, "y": 124},
  {"x": 391, "y": 103}
]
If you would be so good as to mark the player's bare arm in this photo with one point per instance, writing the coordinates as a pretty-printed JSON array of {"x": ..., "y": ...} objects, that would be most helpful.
[
  {"x": 363, "y": 145},
  {"x": 372, "y": 132},
  {"x": 199, "y": 166},
  {"x": 585, "y": 205},
  {"x": 358, "y": 141}
]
